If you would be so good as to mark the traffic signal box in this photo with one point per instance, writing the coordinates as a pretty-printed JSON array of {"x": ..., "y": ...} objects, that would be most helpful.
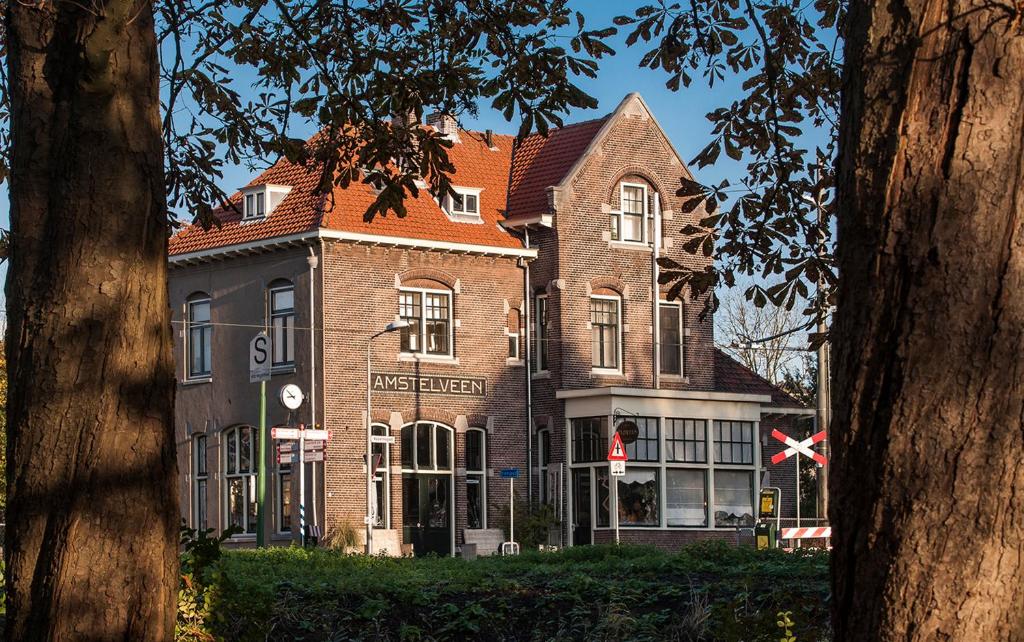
[{"x": 766, "y": 530}]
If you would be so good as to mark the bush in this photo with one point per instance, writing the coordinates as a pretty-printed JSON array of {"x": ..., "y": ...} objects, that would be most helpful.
[{"x": 708, "y": 591}]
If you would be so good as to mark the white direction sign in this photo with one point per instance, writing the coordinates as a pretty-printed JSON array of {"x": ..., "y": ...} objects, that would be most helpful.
[
  {"x": 293, "y": 457},
  {"x": 284, "y": 433},
  {"x": 382, "y": 439},
  {"x": 618, "y": 468},
  {"x": 317, "y": 434},
  {"x": 259, "y": 358}
]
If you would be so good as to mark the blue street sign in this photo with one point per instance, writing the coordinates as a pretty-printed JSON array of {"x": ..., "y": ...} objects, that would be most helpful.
[{"x": 510, "y": 473}]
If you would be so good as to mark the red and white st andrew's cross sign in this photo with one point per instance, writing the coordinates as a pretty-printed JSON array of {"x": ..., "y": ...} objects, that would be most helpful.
[{"x": 802, "y": 447}]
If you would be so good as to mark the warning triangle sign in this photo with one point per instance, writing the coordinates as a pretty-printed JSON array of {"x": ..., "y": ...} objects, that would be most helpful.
[{"x": 617, "y": 452}]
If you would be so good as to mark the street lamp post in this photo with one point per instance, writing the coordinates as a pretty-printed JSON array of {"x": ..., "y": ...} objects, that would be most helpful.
[{"x": 391, "y": 327}]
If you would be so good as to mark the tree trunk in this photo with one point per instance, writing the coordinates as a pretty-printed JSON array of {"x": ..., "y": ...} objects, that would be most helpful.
[
  {"x": 91, "y": 542},
  {"x": 927, "y": 506}
]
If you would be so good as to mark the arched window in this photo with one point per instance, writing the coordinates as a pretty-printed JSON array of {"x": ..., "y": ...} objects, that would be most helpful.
[
  {"x": 282, "y": 322},
  {"x": 606, "y": 330},
  {"x": 200, "y": 480},
  {"x": 426, "y": 447},
  {"x": 429, "y": 314},
  {"x": 382, "y": 479},
  {"x": 199, "y": 336},
  {"x": 476, "y": 478},
  {"x": 241, "y": 461}
]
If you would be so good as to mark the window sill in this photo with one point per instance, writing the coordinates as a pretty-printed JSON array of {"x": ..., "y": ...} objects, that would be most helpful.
[
  {"x": 518, "y": 363},
  {"x": 426, "y": 358},
  {"x": 197, "y": 381},
  {"x": 606, "y": 372},
  {"x": 672, "y": 378},
  {"x": 243, "y": 539},
  {"x": 543, "y": 374},
  {"x": 639, "y": 246},
  {"x": 281, "y": 370}
]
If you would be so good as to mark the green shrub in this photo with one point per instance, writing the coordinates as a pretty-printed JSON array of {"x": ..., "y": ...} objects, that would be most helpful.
[{"x": 708, "y": 591}]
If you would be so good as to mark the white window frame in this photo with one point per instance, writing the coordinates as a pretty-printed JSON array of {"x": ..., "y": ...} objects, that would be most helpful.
[
  {"x": 708, "y": 468},
  {"x": 541, "y": 333},
  {"x": 385, "y": 472},
  {"x": 289, "y": 328},
  {"x": 463, "y": 215},
  {"x": 200, "y": 474},
  {"x": 619, "y": 357},
  {"x": 434, "y": 468},
  {"x": 481, "y": 474},
  {"x": 422, "y": 330},
  {"x": 258, "y": 200},
  {"x": 682, "y": 339},
  {"x": 191, "y": 325},
  {"x": 619, "y": 214},
  {"x": 250, "y": 478}
]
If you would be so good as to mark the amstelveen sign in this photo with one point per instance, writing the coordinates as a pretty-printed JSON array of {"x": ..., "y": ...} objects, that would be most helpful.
[{"x": 429, "y": 384}]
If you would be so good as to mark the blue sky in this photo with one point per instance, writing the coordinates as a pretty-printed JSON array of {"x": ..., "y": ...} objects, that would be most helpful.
[{"x": 681, "y": 114}]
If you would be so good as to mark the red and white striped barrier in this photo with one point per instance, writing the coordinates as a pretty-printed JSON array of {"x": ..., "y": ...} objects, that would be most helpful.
[{"x": 806, "y": 532}]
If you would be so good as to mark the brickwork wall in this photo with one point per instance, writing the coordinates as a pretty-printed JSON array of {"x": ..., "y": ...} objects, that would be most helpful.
[{"x": 361, "y": 296}]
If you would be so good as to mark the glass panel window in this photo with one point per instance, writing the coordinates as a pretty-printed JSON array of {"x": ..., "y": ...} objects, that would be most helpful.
[
  {"x": 471, "y": 204},
  {"x": 513, "y": 334},
  {"x": 284, "y": 498},
  {"x": 476, "y": 489},
  {"x": 734, "y": 442},
  {"x": 589, "y": 439},
  {"x": 645, "y": 447},
  {"x": 685, "y": 440},
  {"x": 604, "y": 321},
  {"x": 200, "y": 338},
  {"x": 261, "y": 206},
  {"x": 464, "y": 203},
  {"x": 670, "y": 338},
  {"x": 382, "y": 478},
  {"x": 734, "y": 498},
  {"x": 638, "y": 497},
  {"x": 424, "y": 432},
  {"x": 241, "y": 455},
  {"x": 282, "y": 325},
  {"x": 431, "y": 443},
  {"x": 429, "y": 317},
  {"x": 542, "y": 333},
  {"x": 634, "y": 211},
  {"x": 603, "y": 497},
  {"x": 544, "y": 459},
  {"x": 200, "y": 482},
  {"x": 686, "y": 504}
]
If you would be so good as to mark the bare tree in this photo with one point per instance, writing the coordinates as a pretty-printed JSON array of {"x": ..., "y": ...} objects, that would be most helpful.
[{"x": 768, "y": 340}]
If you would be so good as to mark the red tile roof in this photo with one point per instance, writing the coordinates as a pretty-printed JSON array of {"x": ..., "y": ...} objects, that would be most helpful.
[
  {"x": 543, "y": 162},
  {"x": 732, "y": 376},
  {"x": 520, "y": 191}
]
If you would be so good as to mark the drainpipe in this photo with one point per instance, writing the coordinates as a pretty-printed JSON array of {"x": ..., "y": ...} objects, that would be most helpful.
[
  {"x": 529, "y": 370},
  {"x": 655, "y": 290},
  {"x": 313, "y": 261}
]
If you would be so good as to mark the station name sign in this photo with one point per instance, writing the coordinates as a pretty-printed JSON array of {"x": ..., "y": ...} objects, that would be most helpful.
[{"x": 429, "y": 384}]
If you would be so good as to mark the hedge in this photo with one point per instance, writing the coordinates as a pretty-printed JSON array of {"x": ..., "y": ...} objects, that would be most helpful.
[{"x": 708, "y": 591}]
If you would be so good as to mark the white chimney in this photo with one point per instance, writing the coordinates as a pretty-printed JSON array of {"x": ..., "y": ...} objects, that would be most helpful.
[{"x": 445, "y": 124}]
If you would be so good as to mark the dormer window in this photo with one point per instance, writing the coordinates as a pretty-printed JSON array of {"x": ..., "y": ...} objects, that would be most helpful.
[
  {"x": 464, "y": 205},
  {"x": 259, "y": 201}
]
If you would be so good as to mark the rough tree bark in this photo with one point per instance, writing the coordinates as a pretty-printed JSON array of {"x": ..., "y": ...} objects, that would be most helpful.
[
  {"x": 929, "y": 383},
  {"x": 91, "y": 541}
]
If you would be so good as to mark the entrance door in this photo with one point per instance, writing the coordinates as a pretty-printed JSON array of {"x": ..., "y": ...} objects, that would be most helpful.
[
  {"x": 581, "y": 503},
  {"x": 427, "y": 514}
]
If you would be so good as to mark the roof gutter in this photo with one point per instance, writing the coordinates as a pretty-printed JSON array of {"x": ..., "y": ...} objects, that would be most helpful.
[{"x": 352, "y": 237}]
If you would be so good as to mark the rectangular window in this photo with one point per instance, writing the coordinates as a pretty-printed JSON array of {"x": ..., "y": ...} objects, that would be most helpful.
[
  {"x": 604, "y": 333},
  {"x": 670, "y": 338},
  {"x": 634, "y": 212},
  {"x": 513, "y": 334},
  {"x": 201, "y": 482},
  {"x": 250, "y": 206},
  {"x": 685, "y": 440},
  {"x": 734, "y": 442},
  {"x": 603, "y": 495},
  {"x": 686, "y": 504},
  {"x": 464, "y": 203},
  {"x": 242, "y": 453},
  {"x": 282, "y": 325},
  {"x": 734, "y": 498},
  {"x": 200, "y": 338},
  {"x": 638, "y": 497},
  {"x": 429, "y": 316},
  {"x": 542, "y": 333},
  {"x": 476, "y": 501},
  {"x": 381, "y": 478},
  {"x": 284, "y": 498},
  {"x": 645, "y": 447},
  {"x": 589, "y": 439},
  {"x": 261, "y": 205}
]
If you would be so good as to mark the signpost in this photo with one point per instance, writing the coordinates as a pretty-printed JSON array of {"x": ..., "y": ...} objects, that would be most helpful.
[
  {"x": 259, "y": 370},
  {"x": 311, "y": 443},
  {"x": 510, "y": 547},
  {"x": 617, "y": 464},
  {"x": 804, "y": 448}
]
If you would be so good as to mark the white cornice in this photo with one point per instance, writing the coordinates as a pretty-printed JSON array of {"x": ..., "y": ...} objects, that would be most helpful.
[
  {"x": 661, "y": 393},
  {"x": 351, "y": 237}
]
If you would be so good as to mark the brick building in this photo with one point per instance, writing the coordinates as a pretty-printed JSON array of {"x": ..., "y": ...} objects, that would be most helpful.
[{"x": 530, "y": 336}]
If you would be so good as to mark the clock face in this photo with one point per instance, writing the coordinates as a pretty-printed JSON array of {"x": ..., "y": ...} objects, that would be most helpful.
[{"x": 291, "y": 396}]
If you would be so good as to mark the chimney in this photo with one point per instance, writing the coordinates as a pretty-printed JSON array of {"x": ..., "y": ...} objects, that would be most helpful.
[
  {"x": 489, "y": 137},
  {"x": 408, "y": 119},
  {"x": 445, "y": 124}
]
